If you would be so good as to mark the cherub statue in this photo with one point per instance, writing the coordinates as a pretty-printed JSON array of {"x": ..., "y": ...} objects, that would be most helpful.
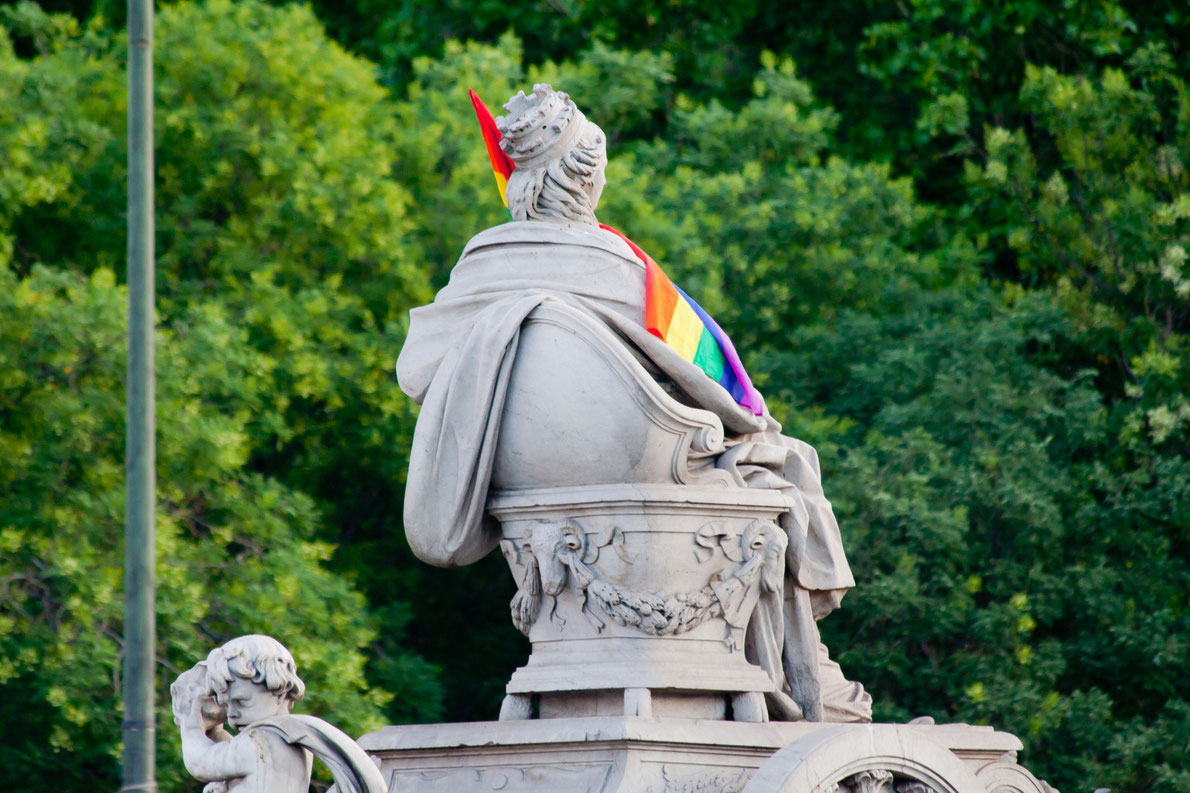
[{"x": 251, "y": 684}]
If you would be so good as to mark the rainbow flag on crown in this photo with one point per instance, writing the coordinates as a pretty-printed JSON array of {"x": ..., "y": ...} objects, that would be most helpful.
[
  {"x": 670, "y": 314},
  {"x": 501, "y": 165}
]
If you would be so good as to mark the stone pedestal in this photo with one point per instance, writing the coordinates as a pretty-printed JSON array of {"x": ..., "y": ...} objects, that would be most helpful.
[
  {"x": 657, "y": 551},
  {"x": 639, "y": 755}
]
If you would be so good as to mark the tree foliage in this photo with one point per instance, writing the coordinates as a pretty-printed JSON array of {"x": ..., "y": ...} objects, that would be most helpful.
[
  {"x": 950, "y": 238},
  {"x": 275, "y": 380}
]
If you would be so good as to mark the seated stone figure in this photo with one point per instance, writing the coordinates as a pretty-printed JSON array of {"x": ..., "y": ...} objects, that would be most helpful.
[
  {"x": 554, "y": 424},
  {"x": 251, "y": 684}
]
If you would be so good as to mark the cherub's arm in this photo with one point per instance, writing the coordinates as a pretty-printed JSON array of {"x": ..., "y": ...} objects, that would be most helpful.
[
  {"x": 208, "y": 751},
  {"x": 209, "y": 760},
  {"x": 218, "y": 734}
]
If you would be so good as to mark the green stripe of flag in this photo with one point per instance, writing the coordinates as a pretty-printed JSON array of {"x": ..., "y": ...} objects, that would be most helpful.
[{"x": 709, "y": 357}]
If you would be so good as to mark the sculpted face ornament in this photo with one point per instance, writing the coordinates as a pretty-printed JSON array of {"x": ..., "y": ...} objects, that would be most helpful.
[
  {"x": 560, "y": 158},
  {"x": 556, "y": 547}
]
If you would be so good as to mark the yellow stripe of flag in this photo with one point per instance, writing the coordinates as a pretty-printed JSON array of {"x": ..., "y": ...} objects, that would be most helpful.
[
  {"x": 502, "y": 183},
  {"x": 685, "y": 329}
]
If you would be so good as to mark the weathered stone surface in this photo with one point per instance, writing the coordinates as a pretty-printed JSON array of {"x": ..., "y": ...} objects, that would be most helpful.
[
  {"x": 1005, "y": 775},
  {"x": 640, "y": 755},
  {"x": 638, "y": 590}
]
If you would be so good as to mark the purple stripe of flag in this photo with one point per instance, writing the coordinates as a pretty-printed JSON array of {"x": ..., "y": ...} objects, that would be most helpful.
[{"x": 751, "y": 397}]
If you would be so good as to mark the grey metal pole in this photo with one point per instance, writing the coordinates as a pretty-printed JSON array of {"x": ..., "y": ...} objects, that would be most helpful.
[{"x": 140, "y": 629}]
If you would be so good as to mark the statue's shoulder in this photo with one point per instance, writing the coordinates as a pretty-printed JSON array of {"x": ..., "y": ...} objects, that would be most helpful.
[
  {"x": 353, "y": 770},
  {"x": 268, "y": 741},
  {"x": 522, "y": 232}
]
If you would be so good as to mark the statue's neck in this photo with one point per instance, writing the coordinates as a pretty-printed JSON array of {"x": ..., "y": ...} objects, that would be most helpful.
[{"x": 570, "y": 223}]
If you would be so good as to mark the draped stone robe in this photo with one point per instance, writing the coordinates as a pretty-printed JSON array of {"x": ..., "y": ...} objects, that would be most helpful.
[{"x": 457, "y": 361}]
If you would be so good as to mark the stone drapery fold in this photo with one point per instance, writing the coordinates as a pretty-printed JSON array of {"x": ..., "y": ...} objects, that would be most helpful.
[{"x": 458, "y": 357}]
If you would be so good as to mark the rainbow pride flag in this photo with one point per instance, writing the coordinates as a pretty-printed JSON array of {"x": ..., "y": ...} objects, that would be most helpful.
[
  {"x": 670, "y": 314},
  {"x": 674, "y": 317},
  {"x": 501, "y": 164}
]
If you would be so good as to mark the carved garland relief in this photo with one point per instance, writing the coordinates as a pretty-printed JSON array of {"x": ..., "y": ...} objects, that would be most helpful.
[{"x": 557, "y": 553}]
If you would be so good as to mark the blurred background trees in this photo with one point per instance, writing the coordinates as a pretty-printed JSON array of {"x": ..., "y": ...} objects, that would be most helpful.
[{"x": 951, "y": 240}]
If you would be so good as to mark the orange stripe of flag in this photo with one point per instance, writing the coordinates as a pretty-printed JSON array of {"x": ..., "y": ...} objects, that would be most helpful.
[{"x": 661, "y": 298}]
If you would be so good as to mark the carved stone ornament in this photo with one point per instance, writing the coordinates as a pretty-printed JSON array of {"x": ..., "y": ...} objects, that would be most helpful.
[
  {"x": 557, "y": 553},
  {"x": 717, "y": 781},
  {"x": 878, "y": 758},
  {"x": 913, "y": 786},
  {"x": 875, "y": 781},
  {"x": 1007, "y": 776},
  {"x": 250, "y": 684},
  {"x": 539, "y": 127}
]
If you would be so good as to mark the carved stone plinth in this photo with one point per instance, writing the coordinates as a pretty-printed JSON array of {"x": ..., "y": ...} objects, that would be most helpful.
[
  {"x": 636, "y": 598},
  {"x": 638, "y": 755}
]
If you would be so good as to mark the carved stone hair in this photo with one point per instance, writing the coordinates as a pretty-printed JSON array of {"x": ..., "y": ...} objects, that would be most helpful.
[
  {"x": 261, "y": 659},
  {"x": 558, "y": 154}
]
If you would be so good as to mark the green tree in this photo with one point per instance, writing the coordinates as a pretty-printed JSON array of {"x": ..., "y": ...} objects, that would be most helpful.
[
  {"x": 238, "y": 552},
  {"x": 1013, "y": 559},
  {"x": 276, "y": 387},
  {"x": 996, "y": 379}
]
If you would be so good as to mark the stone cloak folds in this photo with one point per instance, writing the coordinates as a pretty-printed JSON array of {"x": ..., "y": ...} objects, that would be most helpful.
[{"x": 458, "y": 357}]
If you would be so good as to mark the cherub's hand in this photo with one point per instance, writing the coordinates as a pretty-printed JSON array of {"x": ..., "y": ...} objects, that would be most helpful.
[
  {"x": 214, "y": 716},
  {"x": 193, "y": 704},
  {"x": 186, "y": 693},
  {"x": 218, "y": 786}
]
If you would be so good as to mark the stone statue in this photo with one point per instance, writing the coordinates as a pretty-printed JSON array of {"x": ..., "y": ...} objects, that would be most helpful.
[
  {"x": 672, "y": 547},
  {"x": 251, "y": 684}
]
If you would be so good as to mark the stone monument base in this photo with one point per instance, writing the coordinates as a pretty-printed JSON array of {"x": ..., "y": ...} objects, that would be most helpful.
[{"x": 618, "y": 754}]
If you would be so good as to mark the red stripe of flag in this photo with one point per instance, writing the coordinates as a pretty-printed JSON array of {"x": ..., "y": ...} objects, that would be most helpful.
[{"x": 501, "y": 164}]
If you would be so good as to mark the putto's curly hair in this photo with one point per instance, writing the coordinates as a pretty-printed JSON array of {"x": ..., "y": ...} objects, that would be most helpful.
[
  {"x": 261, "y": 659},
  {"x": 558, "y": 154}
]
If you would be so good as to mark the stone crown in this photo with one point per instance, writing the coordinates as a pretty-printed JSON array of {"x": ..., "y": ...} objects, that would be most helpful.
[{"x": 539, "y": 127}]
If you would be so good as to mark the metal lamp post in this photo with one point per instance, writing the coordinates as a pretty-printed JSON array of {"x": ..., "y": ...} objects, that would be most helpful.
[{"x": 139, "y": 766}]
